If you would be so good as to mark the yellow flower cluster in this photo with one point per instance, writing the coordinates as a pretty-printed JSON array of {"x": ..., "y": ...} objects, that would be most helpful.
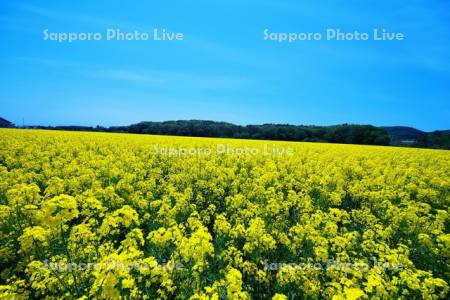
[{"x": 104, "y": 216}]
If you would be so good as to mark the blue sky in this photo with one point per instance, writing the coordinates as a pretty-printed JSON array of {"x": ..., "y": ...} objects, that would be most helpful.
[{"x": 223, "y": 69}]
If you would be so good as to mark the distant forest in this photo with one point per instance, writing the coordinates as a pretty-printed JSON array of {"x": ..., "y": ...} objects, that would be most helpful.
[{"x": 345, "y": 133}]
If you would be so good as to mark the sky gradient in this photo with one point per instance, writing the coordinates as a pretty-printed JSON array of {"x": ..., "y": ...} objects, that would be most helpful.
[{"x": 224, "y": 70}]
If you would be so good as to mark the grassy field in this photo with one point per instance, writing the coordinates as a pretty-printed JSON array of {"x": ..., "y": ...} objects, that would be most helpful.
[{"x": 110, "y": 216}]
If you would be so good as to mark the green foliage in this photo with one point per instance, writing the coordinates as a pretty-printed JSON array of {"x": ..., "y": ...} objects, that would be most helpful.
[{"x": 343, "y": 134}]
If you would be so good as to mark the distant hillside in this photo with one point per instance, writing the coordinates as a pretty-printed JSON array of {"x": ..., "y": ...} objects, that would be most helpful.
[
  {"x": 345, "y": 133},
  {"x": 408, "y": 136},
  {"x": 402, "y": 134}
]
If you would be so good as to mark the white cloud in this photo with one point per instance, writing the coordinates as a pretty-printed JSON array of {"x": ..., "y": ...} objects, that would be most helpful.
[{"x": 169, "y": 78}]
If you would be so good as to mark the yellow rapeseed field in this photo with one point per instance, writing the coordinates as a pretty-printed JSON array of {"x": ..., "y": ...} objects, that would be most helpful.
[{"x": 112, "y": 216}]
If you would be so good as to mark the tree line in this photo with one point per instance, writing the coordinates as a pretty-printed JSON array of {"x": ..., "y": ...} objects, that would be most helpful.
[{"x": 345, "y": 133}]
